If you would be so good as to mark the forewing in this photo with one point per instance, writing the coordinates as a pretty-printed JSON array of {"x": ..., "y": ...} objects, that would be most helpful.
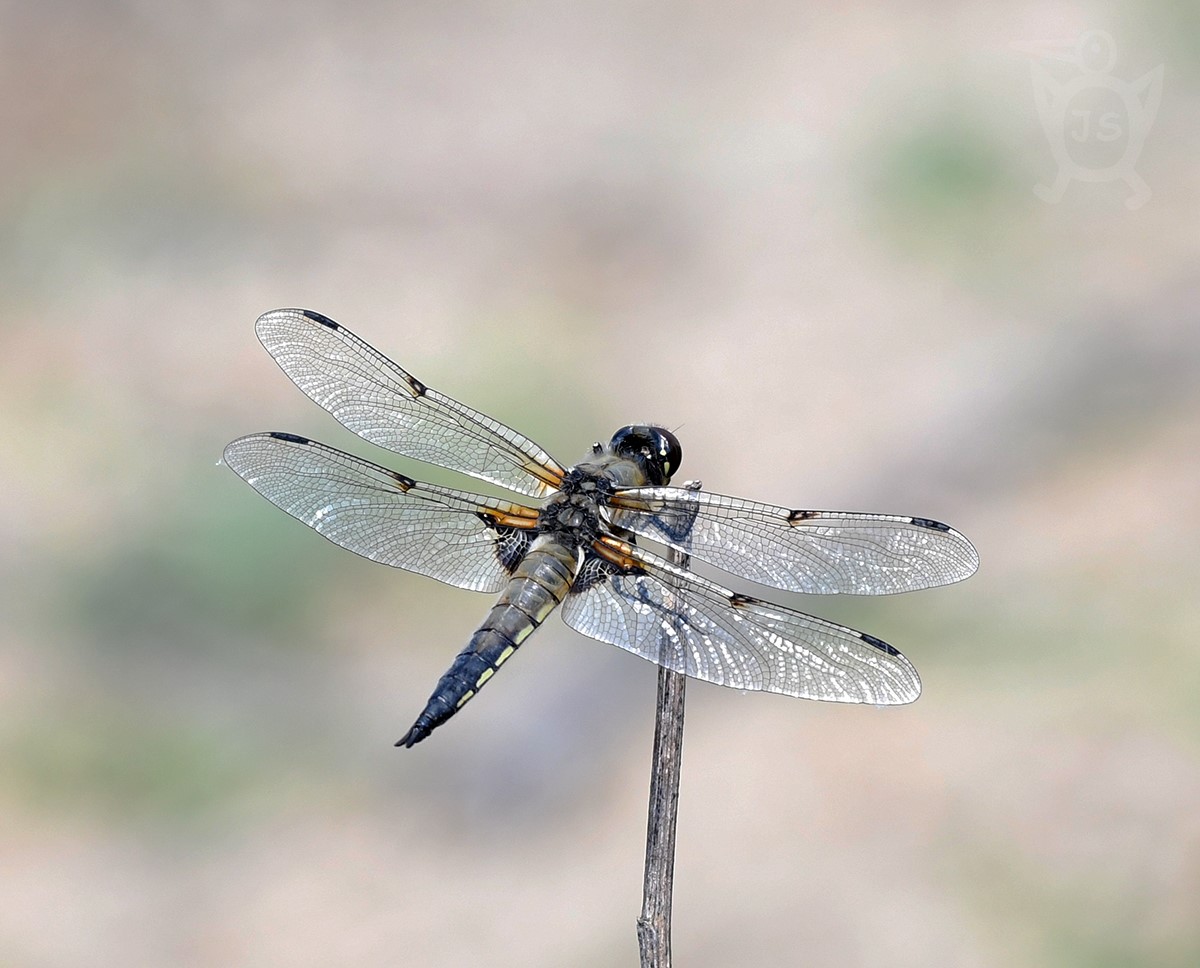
[
  {"x": 628, "y": 597},
  {"x": 818, "y": 552},
  {"x": 463, "y": 539},
  {"x": 382, "y": 403}
]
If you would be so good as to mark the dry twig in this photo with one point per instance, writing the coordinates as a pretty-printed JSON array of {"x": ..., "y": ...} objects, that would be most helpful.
[{"x": 654, "y": 925}]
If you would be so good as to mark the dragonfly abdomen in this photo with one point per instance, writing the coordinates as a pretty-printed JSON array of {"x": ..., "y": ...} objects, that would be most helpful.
[{"x": 539, "y": 584}]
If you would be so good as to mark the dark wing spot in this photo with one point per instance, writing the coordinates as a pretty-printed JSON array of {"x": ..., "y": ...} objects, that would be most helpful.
[
  {"x": 418, "y": 388},
  {"x": 290, "y": 438},
  {"x": 596, "y": 570},
  {"x": 881, "y": 645},
  {"x": 404, "y": 482},
  {"x": 737, "y": 600},
  {"x": 318, "y": 318},
  {"x": 512, "y": 544},
  {"x": 801, "y": 516},
  {"x": 932, "y": 525}
]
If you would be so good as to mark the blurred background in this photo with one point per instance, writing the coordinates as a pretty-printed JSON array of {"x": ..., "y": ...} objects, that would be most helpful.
[{"x": 810, "y": 241}]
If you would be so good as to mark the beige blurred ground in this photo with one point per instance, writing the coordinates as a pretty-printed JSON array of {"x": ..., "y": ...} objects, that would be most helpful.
[{"x": 809, "y": 240}]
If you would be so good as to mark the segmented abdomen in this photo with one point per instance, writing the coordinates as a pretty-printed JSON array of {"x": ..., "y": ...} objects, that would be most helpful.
[{"x": 538, "y": 585}]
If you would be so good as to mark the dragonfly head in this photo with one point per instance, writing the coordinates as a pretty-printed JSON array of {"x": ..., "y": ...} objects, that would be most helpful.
[{"x": 655, "y": 449}]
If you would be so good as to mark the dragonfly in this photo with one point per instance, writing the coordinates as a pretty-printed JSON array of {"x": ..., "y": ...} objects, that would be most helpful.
[{"x": 570, "y": 543}]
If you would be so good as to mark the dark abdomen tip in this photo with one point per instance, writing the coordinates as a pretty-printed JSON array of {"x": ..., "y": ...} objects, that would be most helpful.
[{"x": 417, "y": 733}]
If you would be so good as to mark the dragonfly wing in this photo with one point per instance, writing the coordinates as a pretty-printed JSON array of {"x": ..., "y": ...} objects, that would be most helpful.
[
  {"x": 631, "y": 598},
  {"x": 818, "y": 552},
  {"x": 386, "y": 405},
  {"x": 456, "y": 537}
]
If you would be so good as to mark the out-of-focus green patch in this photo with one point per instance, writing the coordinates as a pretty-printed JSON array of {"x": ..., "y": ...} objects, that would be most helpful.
[
  {"x": 1170, "y": 31},
  {"x": 1067, "y": 917},
  {"x": 1108, "y": 650},
  {"x": 94, "y": 218},
  {"x": 556, "y": 404},
  {"x": 942, "y": 181},
  {"x": 199, "y": 567},
  {"x": 122, "y": 762}
]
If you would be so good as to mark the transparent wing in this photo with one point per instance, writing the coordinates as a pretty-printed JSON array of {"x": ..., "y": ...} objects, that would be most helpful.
[
  {"x": 628, "y": 597},
  {"x": 382, "y": 403},
  {"x": 462, "y": 539},
  {"x": 818, "y": 552}
]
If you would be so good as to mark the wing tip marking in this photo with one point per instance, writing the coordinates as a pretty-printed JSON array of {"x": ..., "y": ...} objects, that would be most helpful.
[
  {"x": 317, "y": 317},
  {"x": 879, "y": 644},
  {"x": 930, "y": 524},
  {"x": 290, "y": 438}
]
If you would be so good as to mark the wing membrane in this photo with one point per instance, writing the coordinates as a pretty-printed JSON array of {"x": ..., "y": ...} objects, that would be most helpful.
[
  {"x": 631, "y": 598},
  {"x": 460, "y": 538},
  {"x": 818, "y": 552},
  {"x": 384, "y": 404}
]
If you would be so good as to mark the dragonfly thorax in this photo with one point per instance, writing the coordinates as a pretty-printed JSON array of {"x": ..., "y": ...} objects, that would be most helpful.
[{"x": 573, "y": 512}]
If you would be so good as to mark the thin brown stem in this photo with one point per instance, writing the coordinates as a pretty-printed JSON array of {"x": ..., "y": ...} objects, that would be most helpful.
[{"x": 654, "y": 925}]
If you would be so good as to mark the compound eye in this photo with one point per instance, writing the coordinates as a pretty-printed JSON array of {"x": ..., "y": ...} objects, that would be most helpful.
[
  {"x": 669, "y": 455},
  {"x": 628, "y": 441},
  {"x": 655, "y": 449}
]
